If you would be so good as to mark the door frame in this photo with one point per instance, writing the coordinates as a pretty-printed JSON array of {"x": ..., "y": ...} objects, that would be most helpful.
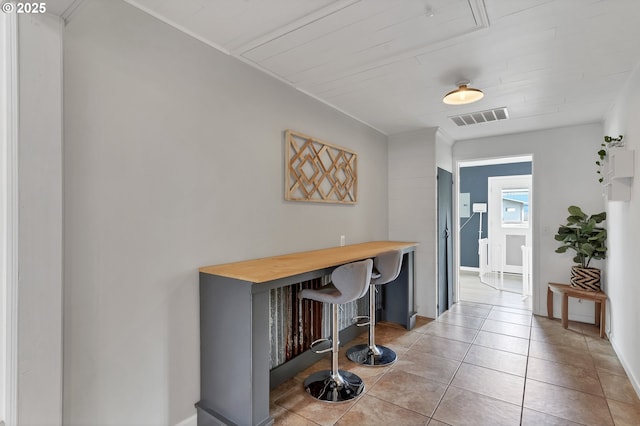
[
  {"x": 9, "y": 220},
  {"x": 479, "y": 161}
]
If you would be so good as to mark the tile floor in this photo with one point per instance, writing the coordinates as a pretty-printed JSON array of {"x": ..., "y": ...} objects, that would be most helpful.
[
  {"x": 473, "y": 290},
  {"x": 478, "y": 364}
]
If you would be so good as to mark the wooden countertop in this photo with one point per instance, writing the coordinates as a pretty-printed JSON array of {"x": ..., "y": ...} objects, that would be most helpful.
[{"x": 273, "y": 268}]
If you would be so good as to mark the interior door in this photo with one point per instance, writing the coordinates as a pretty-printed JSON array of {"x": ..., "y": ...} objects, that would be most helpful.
[
  {"x": 445, "y": 240},
  {"x": 509, "y": 213}
]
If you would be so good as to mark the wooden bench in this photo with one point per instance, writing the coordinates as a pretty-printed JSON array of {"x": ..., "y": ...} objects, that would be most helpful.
[{"x": 567, "y": 291}]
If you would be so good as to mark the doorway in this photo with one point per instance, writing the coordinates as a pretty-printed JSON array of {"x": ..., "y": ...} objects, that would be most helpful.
[{"x": 493, "y": 263}]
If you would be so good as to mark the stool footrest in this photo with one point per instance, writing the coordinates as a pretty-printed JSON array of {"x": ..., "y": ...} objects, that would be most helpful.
[
  {"x": 321, "y": 346},
  {"x": 362, "y": 320}
]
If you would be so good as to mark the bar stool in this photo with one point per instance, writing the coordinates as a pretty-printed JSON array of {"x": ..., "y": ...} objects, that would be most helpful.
[
  {"x": 387, "y": 265},
  {"x": 349, "y": 282}
]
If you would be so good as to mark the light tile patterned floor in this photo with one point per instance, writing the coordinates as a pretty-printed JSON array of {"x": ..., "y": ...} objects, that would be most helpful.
[{"x": 478, "y": 364}]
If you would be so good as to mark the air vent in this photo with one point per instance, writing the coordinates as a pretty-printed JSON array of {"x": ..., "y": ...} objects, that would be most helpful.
[{"x": 495, "y": 114}]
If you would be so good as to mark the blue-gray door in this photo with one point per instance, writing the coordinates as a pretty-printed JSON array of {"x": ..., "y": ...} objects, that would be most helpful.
[{"x": 445, "y": 240}]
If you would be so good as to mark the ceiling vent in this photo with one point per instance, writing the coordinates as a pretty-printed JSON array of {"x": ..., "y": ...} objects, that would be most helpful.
[{"x": 495, "y": 114}]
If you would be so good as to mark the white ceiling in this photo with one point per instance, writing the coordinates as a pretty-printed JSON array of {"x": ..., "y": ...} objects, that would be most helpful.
[{"x": 389, "y": 62}]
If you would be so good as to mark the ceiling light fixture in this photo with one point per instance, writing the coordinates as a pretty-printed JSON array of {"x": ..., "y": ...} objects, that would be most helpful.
[{"x": 463, "y": 94}]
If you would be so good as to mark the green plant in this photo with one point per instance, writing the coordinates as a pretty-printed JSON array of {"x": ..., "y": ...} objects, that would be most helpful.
[
  {"x": 582, "y": 235},
  {"x": 609, "y": 141}
]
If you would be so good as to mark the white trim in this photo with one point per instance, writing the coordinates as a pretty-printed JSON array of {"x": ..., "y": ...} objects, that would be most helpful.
[
  {"x": 625, "y": 365},
  {"x": 189, "y": 421},
  {"x": 10, "y": 223}
]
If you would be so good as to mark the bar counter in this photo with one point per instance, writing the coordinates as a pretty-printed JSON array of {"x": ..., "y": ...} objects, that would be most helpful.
[{"x": 234, "y": 323}]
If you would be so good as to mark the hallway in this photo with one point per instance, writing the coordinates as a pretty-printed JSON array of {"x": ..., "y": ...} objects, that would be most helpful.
[{"x": 478, "y": 364}]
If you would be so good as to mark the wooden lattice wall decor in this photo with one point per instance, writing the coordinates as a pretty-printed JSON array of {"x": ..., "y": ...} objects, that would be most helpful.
[{"x": 319, "y": 171}]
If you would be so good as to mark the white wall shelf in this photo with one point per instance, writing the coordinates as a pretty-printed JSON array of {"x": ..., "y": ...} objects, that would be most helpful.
[{"x": 620, "y": 169}]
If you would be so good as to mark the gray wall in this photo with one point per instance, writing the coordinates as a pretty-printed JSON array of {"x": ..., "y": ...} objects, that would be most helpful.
[
  {"x": 174, "y": 160},
  {"x": 40, "y": 228},
  {"x": 475, "y": 181},
  {"x": 414, "y": 158},
  {"x": 563, "y": 175}
]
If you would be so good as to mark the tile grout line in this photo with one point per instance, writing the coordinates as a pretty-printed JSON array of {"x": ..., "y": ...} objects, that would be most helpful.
[
  {"x": 456, "y": 372},
  {"x": 526, "y": 370}
]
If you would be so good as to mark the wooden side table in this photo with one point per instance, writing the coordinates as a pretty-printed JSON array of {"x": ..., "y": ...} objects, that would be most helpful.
[{"x": 567, "y": 291}]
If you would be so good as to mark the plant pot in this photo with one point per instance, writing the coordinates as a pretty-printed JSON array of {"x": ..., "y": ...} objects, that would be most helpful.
[{"x": 585, "y": 278}]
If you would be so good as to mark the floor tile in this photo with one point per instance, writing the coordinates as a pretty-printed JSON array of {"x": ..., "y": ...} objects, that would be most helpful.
[
  {"x": 559, "y": 336},
  {"x": 450, "y": 372},
  {"x": 510, "y": 317},
  {"x": 428, "y": 366},
  {"x": 434, "y": 422},
  {"x": 502, "y": 342},
  {"x": 561, "y": 354},
  {"x": 565, "y": 403},
  {"x": 409, "y": 391},
  {"x": 300, "y": 402},
  {"x": 624, "y": 414},
  {"x": 618, "y": 388},
  {"x": 543, "y": 321},
  {"x": 598, "y": 345},
  {"x": 493, "y": 383},
  {"x": 512, "y": 310},
  {"x": 507, "y": 328},
  {"x": 450, "y": 331},
  {"x": 472, "y": 289},
  {"x": 473, "y": 311},
  {"x": 535, "y": 418},
  {"x": 461, "y": 320},
  {"x": 284, "y": 417},
  {"x": 394, "y": 338},
  {"x": 421, "y": 324},
  {"x": 591, "y": 330},
  {"x": 369, "y": 375},
  {"x": 609, "y": 363},
  {"x": 507, "y": 362},
  {"x": 446, "y": 348},
  {"x": 464, "y": 408},
  {"x": 285, "y": 387},
  {"x": 373, "y": 411},
  {"x": 568, "y": 376}
]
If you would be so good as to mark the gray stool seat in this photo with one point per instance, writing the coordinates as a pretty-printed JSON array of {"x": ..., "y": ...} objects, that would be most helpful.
[
  {"x": 386, "y": 269},
  {"x": 348, "y": 282}
]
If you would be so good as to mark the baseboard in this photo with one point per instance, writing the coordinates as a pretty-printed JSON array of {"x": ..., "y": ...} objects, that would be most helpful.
[
  {"x": 189, "y": 421},
  {"x": 470, "y": 269},
  {"x": 632, "y": 378}
]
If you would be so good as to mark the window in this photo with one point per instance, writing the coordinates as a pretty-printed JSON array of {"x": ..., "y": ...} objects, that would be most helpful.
[{"x": 515, "y": 207}]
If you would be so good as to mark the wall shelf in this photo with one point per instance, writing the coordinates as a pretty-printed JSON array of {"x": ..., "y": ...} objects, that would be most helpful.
[{"x": 620, "y": 169}]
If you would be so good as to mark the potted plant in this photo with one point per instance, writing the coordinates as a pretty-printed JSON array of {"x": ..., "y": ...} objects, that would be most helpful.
[
  {"x": 583, "y": 235},
  {"x": 609, "y": 142}
]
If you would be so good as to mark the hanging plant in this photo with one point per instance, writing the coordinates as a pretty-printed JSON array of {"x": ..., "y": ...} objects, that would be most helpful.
[{"x": 609, "y": 142}]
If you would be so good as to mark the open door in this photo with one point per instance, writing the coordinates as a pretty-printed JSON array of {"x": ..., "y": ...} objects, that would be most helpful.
[{"x": 445, "y": 240}]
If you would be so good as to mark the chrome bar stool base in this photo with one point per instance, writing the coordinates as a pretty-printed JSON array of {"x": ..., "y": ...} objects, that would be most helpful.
[
  {"x": 387, "y": 266},
  {"x": 323, "y": 386},
  {"x": 379, "y": 357},
  {"x": 348, "y": 283}
]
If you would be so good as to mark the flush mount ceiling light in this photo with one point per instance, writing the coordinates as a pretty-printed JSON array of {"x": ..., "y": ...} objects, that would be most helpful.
[{"x": 463, "y": 94}]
